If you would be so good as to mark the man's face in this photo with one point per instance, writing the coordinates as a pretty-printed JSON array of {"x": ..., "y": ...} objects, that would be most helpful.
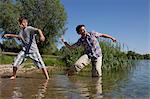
[
  {"x": 82, "y": 31},
  {"x": 24, "y": 24}
]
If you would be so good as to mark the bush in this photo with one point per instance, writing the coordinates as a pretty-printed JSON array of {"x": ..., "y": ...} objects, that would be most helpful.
[{"x": 113, "y": 57}]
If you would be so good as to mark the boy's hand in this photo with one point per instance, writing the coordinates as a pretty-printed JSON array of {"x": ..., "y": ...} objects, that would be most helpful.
[
  {"x": 6, "y": 35},
  {"x": 42, "y": 38}
]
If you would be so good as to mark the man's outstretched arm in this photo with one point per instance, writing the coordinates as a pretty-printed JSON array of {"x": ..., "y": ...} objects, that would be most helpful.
[
  {"x": 108, "y": 36},
  {"x": 68, "y": 45}
]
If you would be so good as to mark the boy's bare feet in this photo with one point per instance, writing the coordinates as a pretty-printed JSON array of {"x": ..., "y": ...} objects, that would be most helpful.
[
  {"x": 47, "y": 78},
  {"x": 13, "y": 77}
]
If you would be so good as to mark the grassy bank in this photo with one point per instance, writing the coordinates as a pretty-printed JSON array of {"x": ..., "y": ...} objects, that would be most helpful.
[
  {"x": 6, "y": 59},
  {"x": 50, "y": 60},
  {"x": 113, "y": 58}
]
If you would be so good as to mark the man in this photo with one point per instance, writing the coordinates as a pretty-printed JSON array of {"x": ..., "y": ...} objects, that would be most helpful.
[{"x": 92, "y": 54}]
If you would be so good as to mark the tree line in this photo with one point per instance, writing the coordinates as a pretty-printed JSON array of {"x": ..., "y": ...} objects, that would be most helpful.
[
  {"x": 134, "y": 55},
  {"x": 47, "y": 15}
]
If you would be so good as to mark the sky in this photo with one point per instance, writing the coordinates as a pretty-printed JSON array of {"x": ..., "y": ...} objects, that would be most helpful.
[{"x": 126, "y": 20}]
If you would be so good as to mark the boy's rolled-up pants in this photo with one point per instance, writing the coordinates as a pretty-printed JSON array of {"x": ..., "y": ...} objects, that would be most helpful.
[{"x": 84, "y": 60}]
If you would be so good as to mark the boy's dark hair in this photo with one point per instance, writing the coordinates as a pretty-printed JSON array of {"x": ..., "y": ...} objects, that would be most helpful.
[
  {"x": 21, "y": 19},
  {"x": 78, "y": 27}
]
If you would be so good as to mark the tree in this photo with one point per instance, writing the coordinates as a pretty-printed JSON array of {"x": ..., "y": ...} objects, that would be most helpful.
[
  {"x": 11, "y": 46},
  {"x": 47, "y": 15},
  {"x": 146, "y": 56}
]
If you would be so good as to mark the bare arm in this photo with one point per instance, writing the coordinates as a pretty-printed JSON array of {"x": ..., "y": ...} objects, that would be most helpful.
[
  {"x": 12, "y": 36},
  {"x": 42, "y": 37},
  {"x": 108, "y": 36},
  {"x": 68, "y": 45}
]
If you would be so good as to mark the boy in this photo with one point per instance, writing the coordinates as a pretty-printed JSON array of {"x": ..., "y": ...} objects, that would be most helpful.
[
  {"x": 30, "y": 49},
  {"x": 92, "y": 54}
]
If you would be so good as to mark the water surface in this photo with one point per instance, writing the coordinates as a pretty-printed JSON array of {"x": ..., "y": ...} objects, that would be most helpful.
[{"x": 133, "y": 83}]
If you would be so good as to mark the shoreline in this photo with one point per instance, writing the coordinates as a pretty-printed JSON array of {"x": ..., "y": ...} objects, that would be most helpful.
[{"x": 6, "y": 69}]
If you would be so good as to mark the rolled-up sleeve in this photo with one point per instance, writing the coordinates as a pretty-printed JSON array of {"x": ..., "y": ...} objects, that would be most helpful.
[{"x": 32, "y": 28}]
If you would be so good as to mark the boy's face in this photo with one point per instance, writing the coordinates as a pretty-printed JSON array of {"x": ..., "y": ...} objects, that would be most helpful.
[
  {"x": 24, "y": 24},
  {"x": 82, "y": 31}
]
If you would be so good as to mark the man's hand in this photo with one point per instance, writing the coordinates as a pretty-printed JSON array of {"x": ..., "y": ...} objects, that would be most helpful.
[
  {"x": 113, "y": 39},
  {"x": 62, "y": 39}
]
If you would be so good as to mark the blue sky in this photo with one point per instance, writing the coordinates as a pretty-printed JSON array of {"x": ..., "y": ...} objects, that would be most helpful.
[{"x": 126, "y": 20}]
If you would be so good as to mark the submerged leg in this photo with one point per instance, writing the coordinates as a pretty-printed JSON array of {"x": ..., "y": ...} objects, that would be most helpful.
[
  {"x": 45, "y": 72},
  {"x": 96, "y": 67},
  {"x": 14, "y": 73},
  {"x": 17, "y": 62}
]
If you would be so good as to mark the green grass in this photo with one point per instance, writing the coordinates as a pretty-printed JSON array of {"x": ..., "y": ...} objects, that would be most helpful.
[
  {"x": 49, "y": 60},
  {"x": 6, "y": 59},
  {"x": 53, "y": 61},
  {"x": 113, "y": 57}
]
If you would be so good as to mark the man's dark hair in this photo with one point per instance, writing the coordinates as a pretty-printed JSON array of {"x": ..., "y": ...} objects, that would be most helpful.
[
  {"x": 78, "y": 27},
  {"x": 21, "y": 19}
]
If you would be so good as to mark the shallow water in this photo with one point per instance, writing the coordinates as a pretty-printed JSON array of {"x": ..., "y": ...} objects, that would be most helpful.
[{"x": 132, "y": 83}]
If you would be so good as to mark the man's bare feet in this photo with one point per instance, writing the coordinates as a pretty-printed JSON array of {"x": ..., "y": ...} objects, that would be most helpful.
[{"x": 13, "y": 77}]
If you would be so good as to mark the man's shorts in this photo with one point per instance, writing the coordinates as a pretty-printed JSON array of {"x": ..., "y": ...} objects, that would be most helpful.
[{"x": 35, "y": 56}]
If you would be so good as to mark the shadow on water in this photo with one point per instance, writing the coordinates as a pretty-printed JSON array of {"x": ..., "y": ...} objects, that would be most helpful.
[{"x": 130, "y": 83}]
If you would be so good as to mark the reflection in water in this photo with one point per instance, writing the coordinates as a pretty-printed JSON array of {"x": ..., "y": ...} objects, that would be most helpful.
[
  {"x": 23, "y": 88},
  {"x": 0, "y": 86},
  {"x": 121, "y": 84},
  {"x": 130, "y": 83},
  {"x": 16, "y": 93},
  {"x": 81, "y": 87},
  {"x": 41, "y": 90},
  {"x": 98, "y": 87}
]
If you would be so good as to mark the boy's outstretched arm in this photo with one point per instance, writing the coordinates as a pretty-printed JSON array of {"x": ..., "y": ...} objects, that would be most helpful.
[
  {"x": 108, "y": 36},
  {"x": 42, "y": 37},
  {"x": 12, "y": 36}
]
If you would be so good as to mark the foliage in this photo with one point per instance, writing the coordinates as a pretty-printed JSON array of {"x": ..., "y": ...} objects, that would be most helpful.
[
  {"x": 136, "y": 56},
  {"x": 49, "y": 60},
  {"x": 146, "y": 56},
  {"x": 47, "y": 15},
  {"x": 9, "y": 14},
  {"x": 10, "y": 46},
  {"x": 5, "y": 59},
  {"x": 113, "y": 57},
  {"x": 70, "y": 56}
]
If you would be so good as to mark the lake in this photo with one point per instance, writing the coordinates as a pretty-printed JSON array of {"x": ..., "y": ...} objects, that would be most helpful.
[{"x": 133, "y": 83}]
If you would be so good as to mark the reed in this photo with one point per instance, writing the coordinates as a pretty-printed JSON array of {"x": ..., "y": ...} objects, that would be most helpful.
[{"x": 114, "y": 58}]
